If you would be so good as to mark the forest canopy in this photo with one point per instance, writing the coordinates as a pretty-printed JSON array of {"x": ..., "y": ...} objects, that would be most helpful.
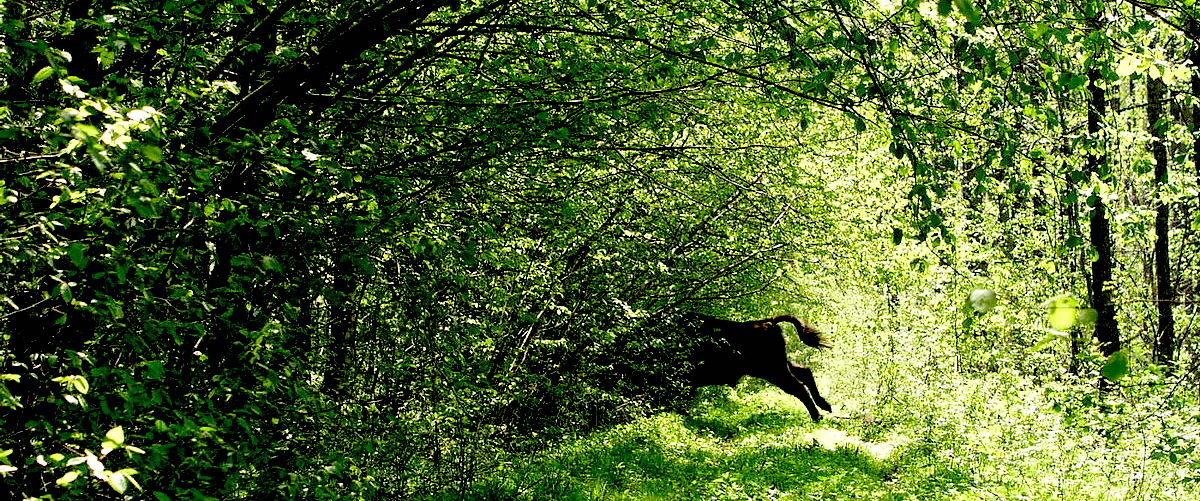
[{"x": 285, "y": 249}]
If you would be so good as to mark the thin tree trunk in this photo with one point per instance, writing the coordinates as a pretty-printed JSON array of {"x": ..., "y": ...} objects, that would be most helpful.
[
  {"x": 1194, "y": 35},
  {"x": 1164, "y": 342}
]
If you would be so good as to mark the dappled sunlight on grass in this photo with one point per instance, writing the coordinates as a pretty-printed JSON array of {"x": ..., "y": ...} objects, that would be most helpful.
[
  {"x": 989, "y": 437},
  {"x": 662, "y": 458},
  {"x": 833, "y": 439},
  {"x": 757, "y": 446}
]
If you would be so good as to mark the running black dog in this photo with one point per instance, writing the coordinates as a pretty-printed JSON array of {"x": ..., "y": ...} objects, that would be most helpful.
[{"x": 731, "y": 350}]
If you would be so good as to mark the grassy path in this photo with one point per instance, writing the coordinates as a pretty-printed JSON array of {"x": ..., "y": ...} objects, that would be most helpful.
[
  {"x": 762, "y": 446},
  {"x": 971, "y": 441}
]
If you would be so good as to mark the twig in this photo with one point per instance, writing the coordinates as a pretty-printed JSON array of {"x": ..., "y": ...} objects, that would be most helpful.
[{"x": 29, "y": 159}]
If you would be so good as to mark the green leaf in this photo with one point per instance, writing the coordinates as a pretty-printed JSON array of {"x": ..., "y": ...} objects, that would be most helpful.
[
  {"x": 116, "y": 435},
  {"x": 43, "y": 74},
  {"x": 968, "y": 10},
  {"x": 897, "y": 236},
  {"x": 269, "y": 263},
  {"x": 1086, "y": 317},
  {"x": 67, "y": 478},
  {"x": 943, "y": 7},
  {"x": 1128, "y": 65},
  {"x": 76, "y": 252},
  {"x": 154, "y": 370},
  {"x": 129, "y": 473},
  {"x": 1116, "y": 367},
  {"x": 1064, "y": 310},
  {"x": 118, "y": 481},
  {"x": 77, "y": 383},
  {"x": 1076, "y": 81},
  {"x": 859, "y": 124},
  {"x": 152, "y": 153}
]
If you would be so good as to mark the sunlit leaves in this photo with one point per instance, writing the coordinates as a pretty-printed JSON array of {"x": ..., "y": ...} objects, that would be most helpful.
[
  {"x": 7, "y": 399},
  {"x": 1064, "y": 312},
  {"x": 115, "y": 436},
  {"x": 120, "y": 480},
  {"x": 1049, "y": 339},
  {"x": 115, "y": 439},
  {"x": 1155, "y": 66},
  {"x": 6, "y": 466},
  {"x": 43, "y": 74},
  {"x": 1129, "y": 65},
  {"x": 67, "y": 478},
  {"x": 77, "y": 383},
  {"x": 542, "y": 177}
]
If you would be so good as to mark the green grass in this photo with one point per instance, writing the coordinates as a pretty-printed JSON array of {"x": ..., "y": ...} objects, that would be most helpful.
[
  {"x": 758, "y": 446},
  {"x": 984, "y": 438},
  {"x": 917, "y": 417}
]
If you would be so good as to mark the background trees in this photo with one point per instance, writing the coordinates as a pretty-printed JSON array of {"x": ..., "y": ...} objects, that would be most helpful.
[{"x": 308, "y": 248}]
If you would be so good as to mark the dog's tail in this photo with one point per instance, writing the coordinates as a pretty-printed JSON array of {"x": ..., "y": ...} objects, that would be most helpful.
[{"x": 808, "y": 334}]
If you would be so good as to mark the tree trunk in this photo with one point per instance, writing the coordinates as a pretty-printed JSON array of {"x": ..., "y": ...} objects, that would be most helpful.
[
  {"x": 343, "y": 310},
  {"x": 1099, "y": 230},
  {"x": 341, "y": 46},
  {"x": 81, "y": 42},
  {"x": 1164, "y": 339}
]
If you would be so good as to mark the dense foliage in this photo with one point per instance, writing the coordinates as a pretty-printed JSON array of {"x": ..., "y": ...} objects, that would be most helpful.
[{"x": 377, "y": 249}]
